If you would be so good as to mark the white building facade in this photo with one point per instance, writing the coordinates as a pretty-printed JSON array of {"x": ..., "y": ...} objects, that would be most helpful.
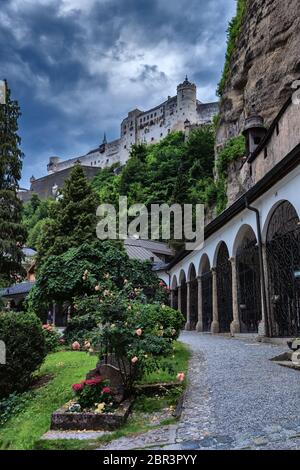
[
  {"x": 246, "y": 277},
  {"x": 177, "y": 113}
]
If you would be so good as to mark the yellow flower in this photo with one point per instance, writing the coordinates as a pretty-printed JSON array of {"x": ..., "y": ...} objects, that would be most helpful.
[{"x": 100, "y": 408}]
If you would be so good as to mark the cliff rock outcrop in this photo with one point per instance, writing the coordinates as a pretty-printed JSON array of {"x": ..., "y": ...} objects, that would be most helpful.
[{"x": 265, "y": 63}]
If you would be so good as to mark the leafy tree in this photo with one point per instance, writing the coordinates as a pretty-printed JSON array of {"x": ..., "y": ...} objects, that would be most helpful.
[
  {"x": 62, "y": 278},
  {"x": 12, "y": 232},
  {"x": 74, "y": 220}
]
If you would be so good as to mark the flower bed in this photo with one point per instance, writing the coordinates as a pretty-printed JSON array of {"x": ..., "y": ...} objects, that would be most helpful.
[
  {"x": 63, "y": 419},
  {"x": 94, "y": 407}
]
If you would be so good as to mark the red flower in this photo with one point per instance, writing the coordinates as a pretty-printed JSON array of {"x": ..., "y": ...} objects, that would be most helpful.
[
  {"x": 106, "y": 390},
  {"x": 92, "y": 382},
  {"x": 97, "y": 378},
  {"x": 78, "y": 387}
]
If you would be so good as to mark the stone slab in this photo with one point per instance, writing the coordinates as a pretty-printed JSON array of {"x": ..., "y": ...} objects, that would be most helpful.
[{"x": 66, "y": 421}]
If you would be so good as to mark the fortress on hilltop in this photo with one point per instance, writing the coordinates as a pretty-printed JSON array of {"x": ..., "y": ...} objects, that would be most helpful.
[{"x": 178, "y": 113}]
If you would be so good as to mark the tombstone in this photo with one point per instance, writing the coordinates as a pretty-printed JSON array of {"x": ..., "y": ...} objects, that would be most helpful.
[
  {"x": 294, "y": 345},
  {"x": 296, "y": 358},
  {"x": 109, "y": 369}
]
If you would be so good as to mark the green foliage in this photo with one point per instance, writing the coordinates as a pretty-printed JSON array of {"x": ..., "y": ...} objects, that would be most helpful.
[
  {"x": 164, "y": 173},
  {"x": 234, "y": 149},
  {"x": 62, "y": 278},
  {"x": 74, "y": 219},
  {"x": 65, "y": 368},
  {"x": 12, "y": 232},
  {"x": 25, "y": 350},
  {"x": 37, "y": 215},
  {"x": 138, "y": 334},
  {"x": 52, "y": 338},
  {"x": 92, "y": 392},
  {"x": 233, "y": 33},
  {"x": 12, "y": 405}
]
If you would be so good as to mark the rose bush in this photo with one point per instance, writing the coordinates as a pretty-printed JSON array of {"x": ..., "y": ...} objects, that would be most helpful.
[
  {"x": 53, "y": 338},
  {"x": 91, "y": 393}
]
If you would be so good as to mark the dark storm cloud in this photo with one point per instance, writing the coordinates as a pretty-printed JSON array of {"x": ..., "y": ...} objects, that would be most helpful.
[{"x": 78, "y": 66}]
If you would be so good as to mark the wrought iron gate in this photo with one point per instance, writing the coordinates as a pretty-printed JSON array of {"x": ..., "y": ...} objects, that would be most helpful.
[
  {"x": 194, "y": 304},
  {"x": 283, "y": 256},
  {"x": 249, "y": 288},
  {"x": 207, "y": 315},
  {"x": 224, "y": 287}
]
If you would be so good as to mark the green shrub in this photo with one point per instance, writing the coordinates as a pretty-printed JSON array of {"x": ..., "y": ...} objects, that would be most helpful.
[
  {"x": 12, "y": 405},
  {"x": 25, "y": 350},
  {"x": 233, "y": 33},
  {"x": 52, "y": 338}
]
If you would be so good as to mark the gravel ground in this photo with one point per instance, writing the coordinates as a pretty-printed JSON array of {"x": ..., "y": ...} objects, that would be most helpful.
[
  {"x": 236, "y": 399},
  {"x": 249, "y": 401}
]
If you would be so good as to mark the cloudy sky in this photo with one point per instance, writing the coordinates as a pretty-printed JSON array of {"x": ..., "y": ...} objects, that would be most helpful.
[{"x": 78, "y": 66}]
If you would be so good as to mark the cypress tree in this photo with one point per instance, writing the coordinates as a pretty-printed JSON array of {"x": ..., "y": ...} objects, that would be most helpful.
[
  {"x": 12, "y": 232},
  {"x": 74, "y": 220}
]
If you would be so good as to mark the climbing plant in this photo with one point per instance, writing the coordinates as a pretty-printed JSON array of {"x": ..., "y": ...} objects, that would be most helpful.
[{"x": 233, "y": 33}]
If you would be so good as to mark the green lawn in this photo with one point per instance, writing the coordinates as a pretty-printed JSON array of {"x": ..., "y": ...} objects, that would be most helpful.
[
  {"x": 24, "y": 430},
  {"x": 67, "y": 367},
  {"x": 179, "y": 364}
]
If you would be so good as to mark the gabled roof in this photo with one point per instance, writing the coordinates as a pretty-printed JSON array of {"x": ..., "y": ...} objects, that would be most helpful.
[{"x": 22, "y": 288}]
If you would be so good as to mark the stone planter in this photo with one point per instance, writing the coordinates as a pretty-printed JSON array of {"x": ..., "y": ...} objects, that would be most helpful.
[{"x": 67, "y": 421}]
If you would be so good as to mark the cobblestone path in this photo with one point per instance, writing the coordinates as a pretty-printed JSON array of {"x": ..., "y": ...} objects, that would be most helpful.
[{"x": 236, "y": 399}]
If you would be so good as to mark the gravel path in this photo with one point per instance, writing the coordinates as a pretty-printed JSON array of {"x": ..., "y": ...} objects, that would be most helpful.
[{"x": 236, "y": 399}]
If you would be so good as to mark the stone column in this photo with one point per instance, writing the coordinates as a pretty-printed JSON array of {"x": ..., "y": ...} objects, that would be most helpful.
[
  {"x": 235, "y": 326},
  {"x": 262, "y": 327},
  {"x": 172, "y": 299},
  {"x": 179, "y": 299},
  {"x": 188, "y": 306},
  {"x": 215, "y": 326},
  {"x": 199, "y": 326},
  {"x": 53, "y": 313}
]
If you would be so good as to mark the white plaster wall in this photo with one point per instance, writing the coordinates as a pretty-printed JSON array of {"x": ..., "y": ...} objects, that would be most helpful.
[{"x": 286, "y": 189}]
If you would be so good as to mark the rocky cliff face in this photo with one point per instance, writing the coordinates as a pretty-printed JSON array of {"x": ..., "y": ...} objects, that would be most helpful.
[{"x": 265, "y": 63}]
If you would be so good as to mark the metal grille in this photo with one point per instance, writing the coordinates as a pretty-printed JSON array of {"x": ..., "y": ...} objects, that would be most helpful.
[
  {"x": 194, "y": 304},
  {"x": 249, "y": 289},
  {"x": 207, "y": 301},
  {"x": 283, "y": 256},
  {"x": 224, "y": 286}
]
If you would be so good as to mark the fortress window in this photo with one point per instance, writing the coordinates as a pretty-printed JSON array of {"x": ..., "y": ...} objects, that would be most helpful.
[
  {"x": 154, "y": 114},
  {"x": 152, "y": 139},
  {"x": 161, "y": 134},
  {"x": 125, "y": 146},
  {"x": 151, "y": 116},
  {"x": 169, "y": 130}
]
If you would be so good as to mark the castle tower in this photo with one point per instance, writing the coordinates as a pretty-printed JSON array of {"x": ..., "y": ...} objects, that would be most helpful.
[{"x": 187, "y": 101}]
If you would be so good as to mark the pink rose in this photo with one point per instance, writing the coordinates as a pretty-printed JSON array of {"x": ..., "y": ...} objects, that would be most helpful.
[
  {"x": 181, "y": 376},
  {"x": 76, "y": 346},
  {"x": 139, "y": 332},
  {"x": 106, "y": 390},
  {"x": 97, "y": 288},
  {"x": 78, "y": 387},
  {"x": 134, "y": 360}
]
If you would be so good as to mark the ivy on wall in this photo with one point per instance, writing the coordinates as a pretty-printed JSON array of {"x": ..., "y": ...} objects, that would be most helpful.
[
  {"x": 233, "y": 33},
  {"x": 235, "y": 148}
]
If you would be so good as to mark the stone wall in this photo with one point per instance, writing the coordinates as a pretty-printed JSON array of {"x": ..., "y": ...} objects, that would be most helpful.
[{"x": 264, "y": 65}]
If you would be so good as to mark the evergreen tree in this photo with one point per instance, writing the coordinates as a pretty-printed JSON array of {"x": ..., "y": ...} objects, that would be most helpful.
[
  {"x": 12, "y": 232},
  {"x": 73, "y": 221}
]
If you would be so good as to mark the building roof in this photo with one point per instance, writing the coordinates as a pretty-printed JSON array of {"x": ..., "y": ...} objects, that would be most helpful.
[
  {"x": 29, "y": 252},
  {"x": 154, "y": 246},
  {"x": 22, "y": 288},
  {"x": 147, "y": 250}
]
